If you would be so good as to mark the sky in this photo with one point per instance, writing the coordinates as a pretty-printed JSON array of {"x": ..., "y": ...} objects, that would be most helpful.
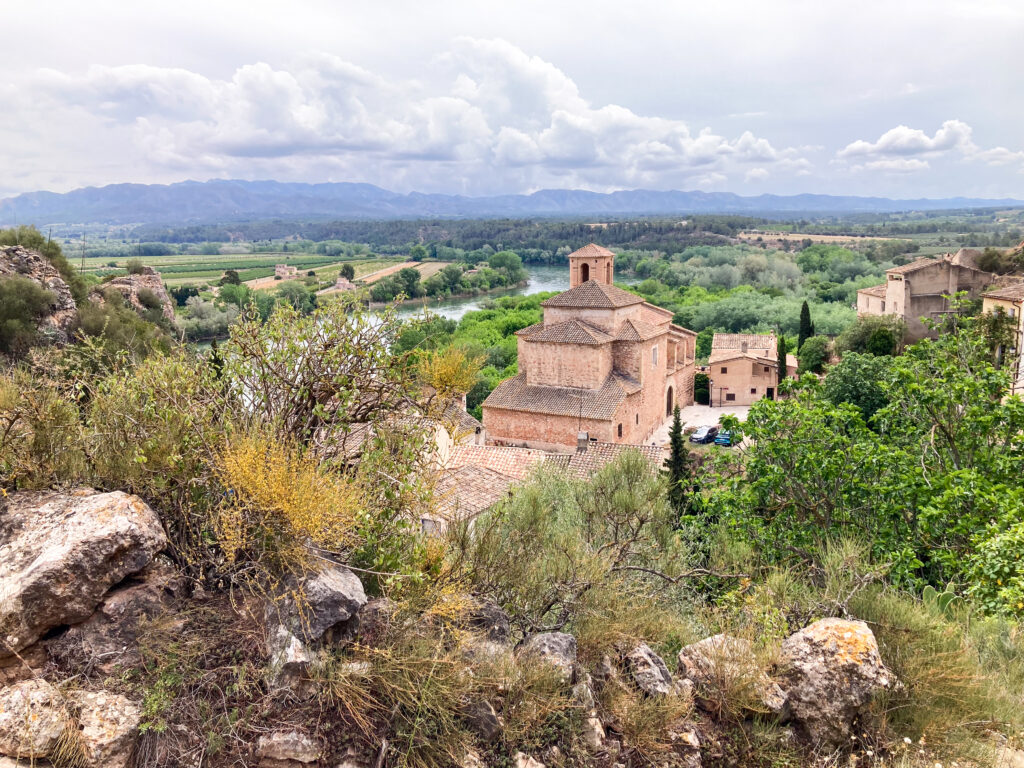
[{"x": 902, "y": 98}]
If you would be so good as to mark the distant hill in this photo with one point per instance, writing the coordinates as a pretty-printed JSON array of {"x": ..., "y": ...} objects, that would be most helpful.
[{"x": 222, "y": 201}]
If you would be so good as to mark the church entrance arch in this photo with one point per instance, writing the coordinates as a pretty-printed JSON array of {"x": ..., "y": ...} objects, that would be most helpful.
[
  {"x": 668, "y": 402},
  {"x": 584, "y": 272}
]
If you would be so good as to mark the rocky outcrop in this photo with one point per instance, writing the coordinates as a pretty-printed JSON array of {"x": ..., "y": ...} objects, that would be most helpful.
[
  {"x": 648, "y": 671},
  {"x": 328, "y": 600},
  {"x": 33, "y": 719},
  {"x": 556, "y": 649},
  {"x": 16, "y": 261},
  {"x": 107, "y": 727},
  {"x": 286, "y": 749},
  {"x": 831, "y": 670},
  {"x": 132, "y": 285},
  {"x": 60, "y": 554}
]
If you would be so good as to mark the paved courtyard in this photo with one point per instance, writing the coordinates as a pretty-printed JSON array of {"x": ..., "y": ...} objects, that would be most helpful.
[{"x": 698, "y": 416}]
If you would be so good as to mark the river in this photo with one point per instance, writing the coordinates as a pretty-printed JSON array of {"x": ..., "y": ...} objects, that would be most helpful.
[{"x": 541, "y": 279}]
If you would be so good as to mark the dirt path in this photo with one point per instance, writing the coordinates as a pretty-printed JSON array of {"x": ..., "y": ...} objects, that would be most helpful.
[{"x": 373, "y": 277}]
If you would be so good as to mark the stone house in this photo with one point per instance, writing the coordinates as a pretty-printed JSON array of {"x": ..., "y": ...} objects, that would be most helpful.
[
  {"x": 1010, "y": 300},
  {"x": 918, "y": 290},
  {"x": 285, "y": 271},
  {"x": 602, "y": 361},
  {"x": 743, "y": 368}
]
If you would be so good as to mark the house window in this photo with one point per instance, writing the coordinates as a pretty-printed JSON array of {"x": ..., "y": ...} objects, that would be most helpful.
[
  {"x": 753, "y": 390},
  {"x": 766, "y": 369},
  {"x": 725, "y": 370},
  {"x": 883, "y": 305},
  {"x": 654, "y": 356},
  {"x": 730, "y": 396},
  {"x": 638, "y": 418},
  {"x": 620, "y": 430}
]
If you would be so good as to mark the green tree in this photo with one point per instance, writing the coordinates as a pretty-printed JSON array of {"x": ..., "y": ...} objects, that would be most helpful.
[
  {"x": 409, "y": 280},
  {"x": 237, "y": 294},
  {"x": 135, "y": 267},
  {"x": 806, "y": 326},
  {"x": 347, "y": 271},
  {"x": 230, "y": 278},
  {"x": 701, "y": 388},
  {"x": 781, "y": 350},
  {"x": 813, "y": 355},
  {"x": 417, "y": 253},
  {"x": 859, "y": 380},
  {"x": 678, "y": 468},
  {"x": 298, "y": 296}
]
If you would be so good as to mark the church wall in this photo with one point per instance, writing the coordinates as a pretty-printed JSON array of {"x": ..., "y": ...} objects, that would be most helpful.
[
  {"x": 608, "y": 320},
  {"x": 565, "y": 365},
  {"x": 539, "y": 430}
]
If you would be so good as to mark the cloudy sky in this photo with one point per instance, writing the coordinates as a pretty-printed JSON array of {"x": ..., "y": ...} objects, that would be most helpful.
[{"x": 901, "y": 98}]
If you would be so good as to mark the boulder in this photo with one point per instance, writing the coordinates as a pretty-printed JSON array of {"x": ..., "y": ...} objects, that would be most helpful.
[
  {"x": 289, "y": 658},
  {"x": 33, "y": 718},
  {"x": 491, "y": 621},
  {"x": 329, "y": 599},
  {"x": 57, "y": 323},
  {"x": 593, "y": 734},
  {"x": 555, "y": 648},
  {"x": 130, "y": 286},
  {"x": 107, "y": 639},
  {"x": 60, "y": 554},
  {"x": 831, "y": 670},
  {"x": 722, "y": 662},
  {"x": 484, "y": 720},
  {"x": 108, "y": 727},
  {"x": 648, "y": 670},
  {"x": 284, "y": 747}
]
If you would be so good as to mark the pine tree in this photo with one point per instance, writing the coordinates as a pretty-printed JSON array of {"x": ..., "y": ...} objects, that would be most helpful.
[
  {"x": 677, "y": 467},
  {"x": 806, "y": 326},
  {"x": 781, "y": 349}
]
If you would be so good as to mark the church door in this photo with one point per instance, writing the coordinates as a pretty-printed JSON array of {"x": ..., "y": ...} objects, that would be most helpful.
[{"x": 668, "y": 402}]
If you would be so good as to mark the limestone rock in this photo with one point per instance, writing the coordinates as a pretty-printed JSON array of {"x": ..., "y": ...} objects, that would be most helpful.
[
  {"x": 108, "y": 637},
  {"x": 721, "y": 662},
  {"x": 555, "y": 648},
  {"x": 108, "y": 726},
  {"x": 648, "y": 671},
  {"x": 61, "y": 552},
  {"x": 523, "y": 760},
  {"x": 287, "y": 746},
  {"x": 471, "y": 759},
  {"x": 484, "y": 720},
  {"x": 831, "y": 670},
  {"x": 593, "y": 733},
  {"x": 32, "y": 718},
  {"x": 56, "y": 325},
  {"x": 130, "y": 286},
  {"x": 321, "y": 601},
  {"x": 289, "y": 658},
  {"x": 492, "y": 621}
]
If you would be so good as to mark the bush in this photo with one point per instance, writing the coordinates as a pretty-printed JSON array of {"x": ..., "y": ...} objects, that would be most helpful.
[
  {"x": 813, "y": 355},
  {"x": 119, "y": 329},
  {"x": 135, "y": 267},
  {"x": 23, "y": 303}
]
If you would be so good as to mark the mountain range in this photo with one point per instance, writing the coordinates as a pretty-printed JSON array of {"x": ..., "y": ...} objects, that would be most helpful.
[{"x": 231, "y": 200}]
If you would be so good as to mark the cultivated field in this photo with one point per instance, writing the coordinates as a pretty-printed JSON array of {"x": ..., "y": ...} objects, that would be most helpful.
[{"x": 772, "y": 236}]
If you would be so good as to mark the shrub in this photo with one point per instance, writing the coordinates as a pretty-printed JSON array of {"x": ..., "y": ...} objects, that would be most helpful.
[
  {"x": 23, "y": 303},
  {"x": 813, "y": 355},
  {"x": 135, "y": 267},
  {"x": 119, "y": 329},
  {"x": 149, "y": 300}
]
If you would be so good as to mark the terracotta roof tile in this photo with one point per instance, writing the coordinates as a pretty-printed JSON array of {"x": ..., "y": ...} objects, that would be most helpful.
[
  {"x": 1010, "y": 292},
  {"x": 570, "y": 332},
  {"x": 516, "y": 395},
  {"x": 583, "y": 465},
  {"x": 591, "y": 250},
  {"x": 469, "y": 490},
  {"x": 593, "y": 294},
  {"x": 914, "y": 266},
  {"x": 874, "y": 290},
  {"x": 636, "y": 330},
  {"x": 516, "y": 463}
]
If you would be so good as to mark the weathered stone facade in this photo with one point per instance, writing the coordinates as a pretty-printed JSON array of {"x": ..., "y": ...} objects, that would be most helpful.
[
  {"x": 743, "y": 368},
  {"x": 603, "y": 361},
  {"x": 917, "y": 291}
]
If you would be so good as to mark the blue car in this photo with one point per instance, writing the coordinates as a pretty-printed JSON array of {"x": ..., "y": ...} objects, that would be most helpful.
[
  {"x": 725, "y": 438},
  {"x": 704, "y": 435}
]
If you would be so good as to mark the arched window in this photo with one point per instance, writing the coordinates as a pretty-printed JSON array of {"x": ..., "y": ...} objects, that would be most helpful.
[{"x": 584, "y": 272}]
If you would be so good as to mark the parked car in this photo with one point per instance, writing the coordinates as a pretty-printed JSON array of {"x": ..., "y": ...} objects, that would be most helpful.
[
  {"x": 704, "y": 435},
  {"x": 726, "y": 438}
]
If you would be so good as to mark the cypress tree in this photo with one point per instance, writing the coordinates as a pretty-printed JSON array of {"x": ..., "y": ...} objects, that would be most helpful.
[
  {"x": 806, "y": 326},
  {"x": 677, "y": 466},
  {"x": 781, "y": 350}
]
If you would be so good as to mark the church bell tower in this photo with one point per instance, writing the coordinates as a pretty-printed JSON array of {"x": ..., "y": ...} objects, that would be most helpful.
[{"x": 591, "y": 262}]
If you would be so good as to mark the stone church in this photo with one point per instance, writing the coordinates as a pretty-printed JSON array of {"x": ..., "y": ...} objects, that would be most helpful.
[{"x": 602, "y": 361}]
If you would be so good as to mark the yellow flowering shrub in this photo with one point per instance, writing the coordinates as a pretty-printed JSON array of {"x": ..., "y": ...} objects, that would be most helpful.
[{"x": 278, "y": 499}]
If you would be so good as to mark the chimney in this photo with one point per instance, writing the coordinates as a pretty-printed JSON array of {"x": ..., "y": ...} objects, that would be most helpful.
[{"x": 582, "y": 439}]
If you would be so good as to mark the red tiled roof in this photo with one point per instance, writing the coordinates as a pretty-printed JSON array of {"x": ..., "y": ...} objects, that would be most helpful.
[
  {"x": 636, "y": 330},
  {"x": 516, "y": 463},
  {"x": 469, "y": 490},
  {"x": 569, "y": 332},
  {"x": 593, "y": 294},
  {"x": 874, "y": 290},
  {"x": 1009, "y": 292},
  {"x": 914, "y": 266},
  {"x": 583, "y": 465},
  {"x": 591, "y": 250}
]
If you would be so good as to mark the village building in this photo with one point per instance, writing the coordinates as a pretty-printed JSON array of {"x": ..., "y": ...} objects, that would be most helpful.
[
  {"x": 744, "y": 367},
  {"x": 285, "y": 271},
  {"x": 918, "y": 291},
  {"x": 602, "y": 362},
  {"x": 1010, "y": 301}
]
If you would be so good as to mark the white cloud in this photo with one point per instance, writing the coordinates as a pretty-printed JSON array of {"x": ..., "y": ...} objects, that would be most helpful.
[
  {"x": 902, "y": 140},
  {"x": 756, "y": 174},
  {"x": 895, "y": 165}
]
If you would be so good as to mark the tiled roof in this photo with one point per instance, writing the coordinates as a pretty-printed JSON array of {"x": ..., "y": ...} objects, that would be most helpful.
[
  {"x": 1011, "y": 292},
  {"x": 874, "y": 290},
  {"x": 591, "y": 250},
  {"x": 723, "y": 355},
  {"x": 516, "y": 395},
  {"x": 454, "y": 413},
  {"x": 570, "y": 332},
  {"x": 636, "y": 330},
  {"x": 469, "y": 490},
  {"x": 593, "y": 294},
  {"x": 530, "y": 329},
  {"x": 914, "y": 266},
  {"x": 516, "y": 463},
  {"x": 737, "y": 340},
  {"x": 585, "y": 464}
]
